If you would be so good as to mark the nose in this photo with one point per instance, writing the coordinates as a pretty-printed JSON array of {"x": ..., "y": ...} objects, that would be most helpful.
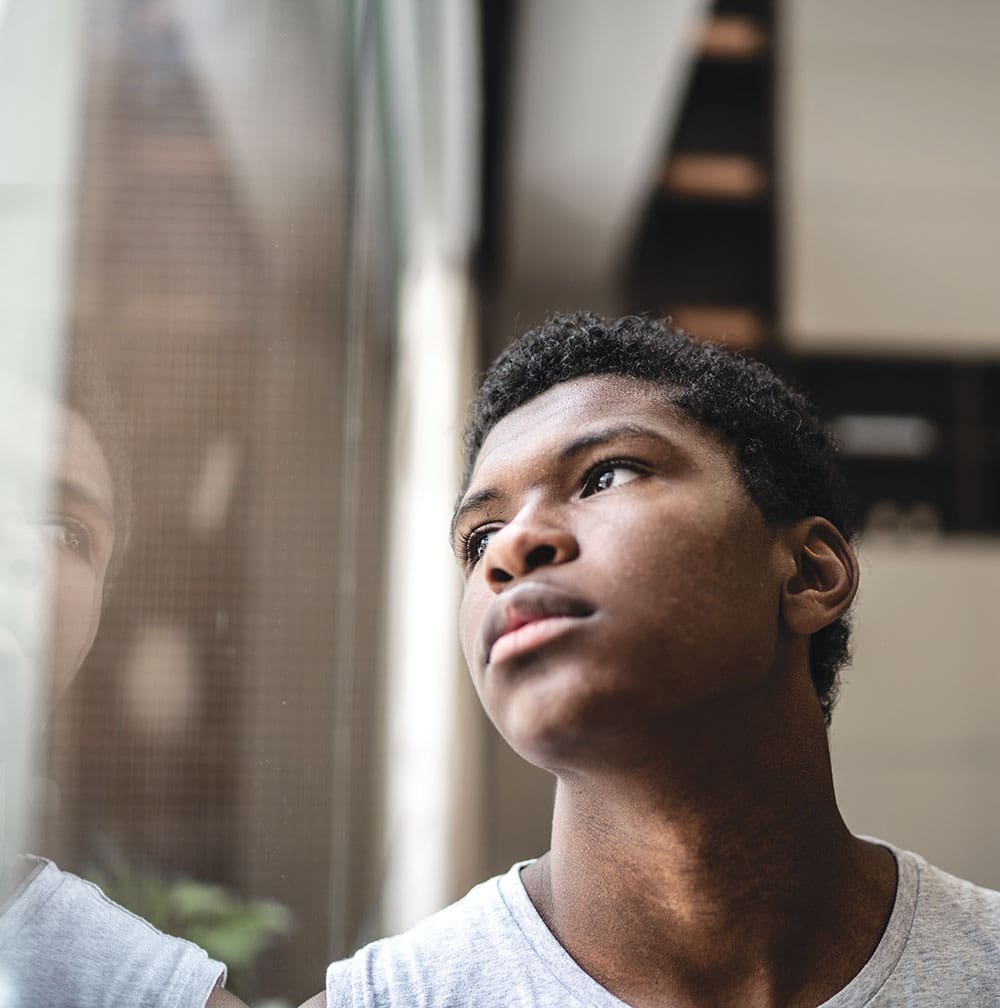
[{"x": 524, "y": 545}]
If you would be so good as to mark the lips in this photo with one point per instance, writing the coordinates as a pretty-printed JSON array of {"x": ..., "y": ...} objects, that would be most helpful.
[{"x": 527, "y": 617}]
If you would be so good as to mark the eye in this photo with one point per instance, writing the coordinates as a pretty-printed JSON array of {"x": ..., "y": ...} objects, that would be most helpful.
[
  {"x": 610, "y": 474},
  {"x": 474, "y": 544},
  {"x": 70, "y": 534}
]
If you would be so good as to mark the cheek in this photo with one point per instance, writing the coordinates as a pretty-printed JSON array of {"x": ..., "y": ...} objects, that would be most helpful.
[
  {"x": 699, "y": 574},
  {"x": 678, "y": 543},
  {"x": 76, "y": 614},
  {"x": 469, "y": 622}
]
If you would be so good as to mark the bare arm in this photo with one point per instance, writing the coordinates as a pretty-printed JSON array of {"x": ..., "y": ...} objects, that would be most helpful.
[
  {"x": 319, "y": 1001},
  {"x": 221, "y": 998}
]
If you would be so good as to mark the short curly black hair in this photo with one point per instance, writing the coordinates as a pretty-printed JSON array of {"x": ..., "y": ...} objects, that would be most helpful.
[{"x": 784, "y": 456}]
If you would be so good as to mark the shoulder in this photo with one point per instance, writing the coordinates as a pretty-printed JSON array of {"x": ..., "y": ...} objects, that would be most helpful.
[
  {"x": 953, "y": 945},
  {"x": 439, "y": 953},
  {"x": 474, "y": 952},
  {"x": 955, "y": 907}
]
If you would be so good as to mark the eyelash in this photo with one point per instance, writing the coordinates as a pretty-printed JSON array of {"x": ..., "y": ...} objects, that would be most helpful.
[
  {"x": 633, "y": 465},
  {"x": 470, "y": 541}
]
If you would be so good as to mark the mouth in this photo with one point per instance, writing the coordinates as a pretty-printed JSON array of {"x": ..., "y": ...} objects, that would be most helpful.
[{"x": 527, "y": 617}]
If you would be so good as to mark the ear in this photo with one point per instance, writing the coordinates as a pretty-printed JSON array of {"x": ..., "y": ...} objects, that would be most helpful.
[{"x": 825, "y": 579}]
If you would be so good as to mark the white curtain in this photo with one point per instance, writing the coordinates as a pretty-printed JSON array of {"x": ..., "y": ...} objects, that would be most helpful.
[{"x": 430, "y": 61}]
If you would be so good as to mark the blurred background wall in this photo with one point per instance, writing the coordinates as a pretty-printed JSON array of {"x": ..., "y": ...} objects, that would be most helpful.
[{"x": 292, "y": 233}]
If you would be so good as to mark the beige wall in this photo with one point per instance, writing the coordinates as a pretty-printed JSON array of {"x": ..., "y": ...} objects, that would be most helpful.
[{"x": 888, "y": 166}]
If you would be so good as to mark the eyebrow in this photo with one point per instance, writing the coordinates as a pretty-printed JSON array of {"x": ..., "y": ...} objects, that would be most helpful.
[
  {"x": 71, "y": 490},
  {"x": 598, "y": 437},
  {"x": 576, "y": 447}
]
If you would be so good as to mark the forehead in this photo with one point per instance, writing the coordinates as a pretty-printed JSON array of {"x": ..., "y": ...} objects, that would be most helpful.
[
  {"x": 82, "y": 461},
  {"x": 40, "y": 439},
  {"x": 574, "y": 408}
]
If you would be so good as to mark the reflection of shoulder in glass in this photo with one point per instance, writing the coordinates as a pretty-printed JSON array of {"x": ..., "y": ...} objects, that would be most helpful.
[{"x": 64, "y": 942}]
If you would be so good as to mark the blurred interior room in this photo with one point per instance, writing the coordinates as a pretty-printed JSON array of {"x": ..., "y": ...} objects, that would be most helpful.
[{"x": 291, "y": 235}]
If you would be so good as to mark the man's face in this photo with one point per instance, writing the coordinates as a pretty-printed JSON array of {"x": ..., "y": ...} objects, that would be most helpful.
[
  {"x": 617, "y": 574},
  {"x": 56, "y": 535}
]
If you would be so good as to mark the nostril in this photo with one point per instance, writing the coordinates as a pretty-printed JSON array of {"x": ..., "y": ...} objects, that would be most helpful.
[
  {"x": 540, "y": 556},
  {"x": 499, "y": 575}
]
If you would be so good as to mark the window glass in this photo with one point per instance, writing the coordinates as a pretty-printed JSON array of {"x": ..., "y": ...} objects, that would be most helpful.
[{"x": 206, "y": 381}]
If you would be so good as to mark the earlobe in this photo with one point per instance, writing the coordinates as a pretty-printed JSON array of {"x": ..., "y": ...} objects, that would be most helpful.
[{"x": 825, "y": 578}]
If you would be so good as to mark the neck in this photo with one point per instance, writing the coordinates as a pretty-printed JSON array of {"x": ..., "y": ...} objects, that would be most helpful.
[{"x": 719, "y": 873}]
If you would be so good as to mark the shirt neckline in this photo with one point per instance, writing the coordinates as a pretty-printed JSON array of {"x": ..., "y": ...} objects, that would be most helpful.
[{"x": 584, "y": 988}]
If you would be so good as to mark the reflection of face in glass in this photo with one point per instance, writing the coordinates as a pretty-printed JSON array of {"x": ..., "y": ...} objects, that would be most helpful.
[
  {"x": 56, "y": 534},
  {"x": 62, "y": 503}
]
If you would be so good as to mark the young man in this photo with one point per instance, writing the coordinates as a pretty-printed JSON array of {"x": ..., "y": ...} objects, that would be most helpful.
[
  {"x": 657, "y": 560},
  {"x": 63, "y": 944}
]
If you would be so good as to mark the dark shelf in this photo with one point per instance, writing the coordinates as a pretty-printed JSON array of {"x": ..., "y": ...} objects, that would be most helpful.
[
  {"x": 959, "y": 476},
  {"x": 705, "y": 249}
]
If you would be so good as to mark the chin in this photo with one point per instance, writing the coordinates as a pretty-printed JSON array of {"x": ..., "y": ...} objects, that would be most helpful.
[{"x": 565, "y": 722}]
